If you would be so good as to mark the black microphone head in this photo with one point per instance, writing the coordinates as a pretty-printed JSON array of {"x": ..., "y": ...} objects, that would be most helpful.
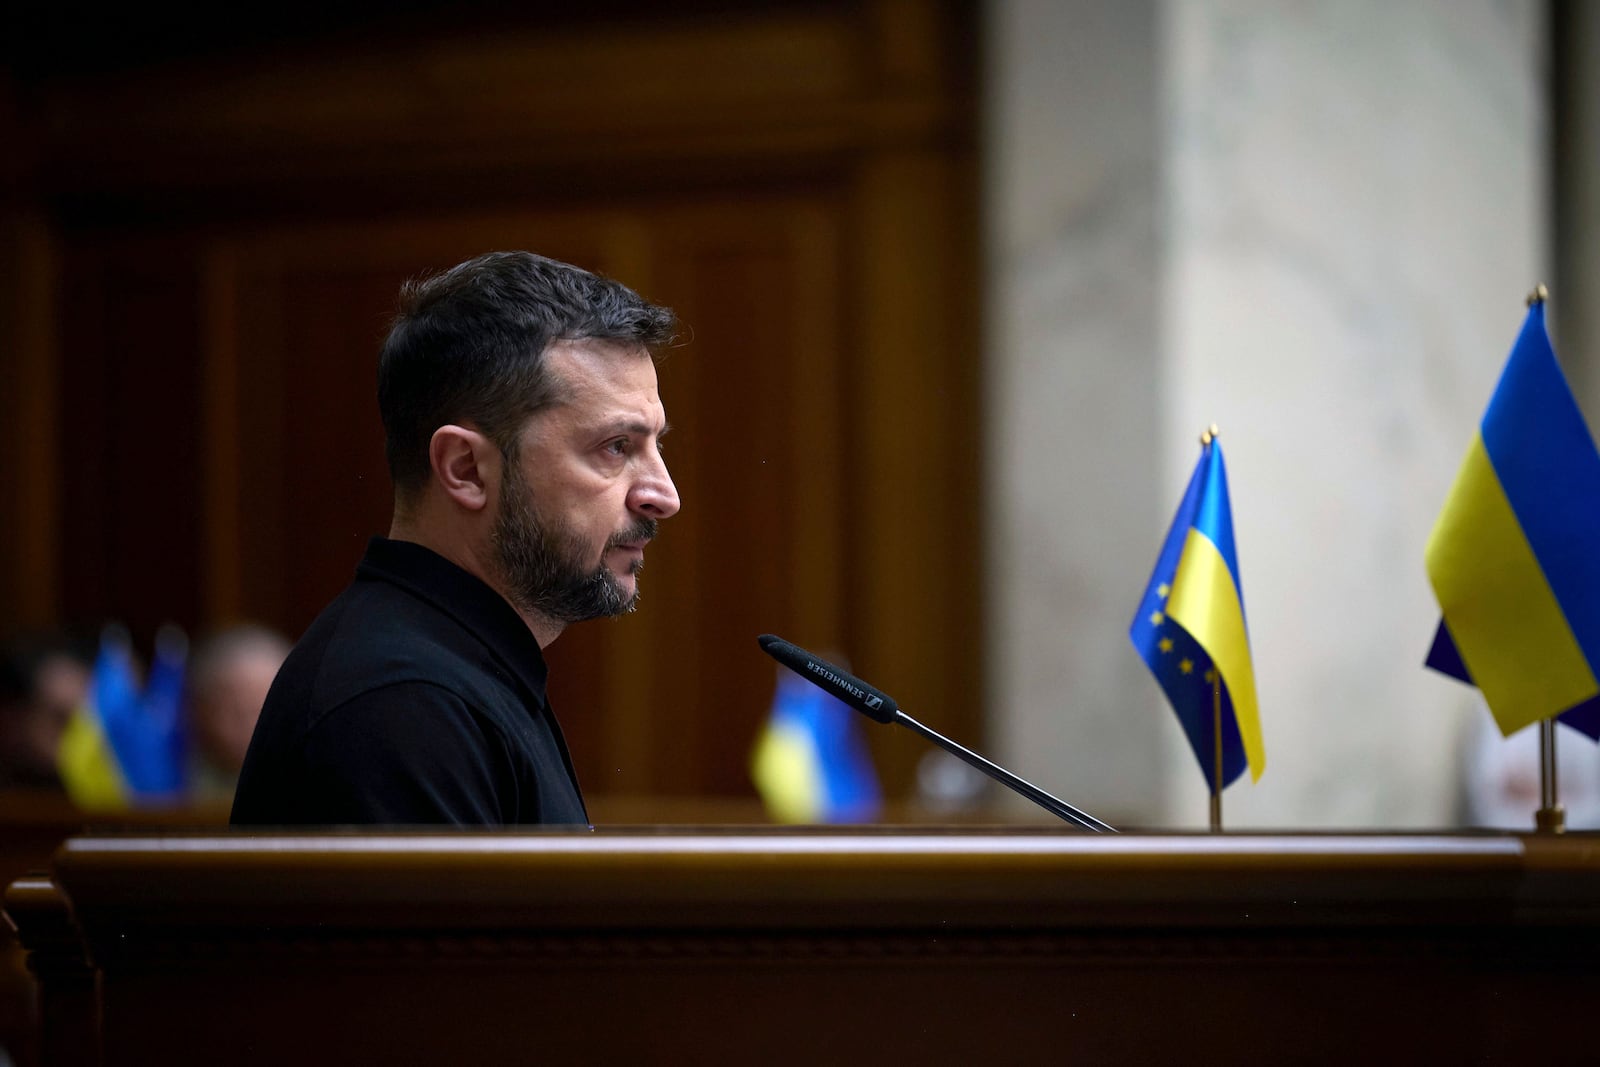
[{"x": 871, "y": 702}]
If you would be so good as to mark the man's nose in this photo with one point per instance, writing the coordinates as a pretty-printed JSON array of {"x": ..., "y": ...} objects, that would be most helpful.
[{"x": 654, "y": 494}]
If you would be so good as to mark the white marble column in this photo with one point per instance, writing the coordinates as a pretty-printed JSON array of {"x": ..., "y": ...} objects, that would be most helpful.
[
  {"x": 1312, "y": 224},
  {"x": 1574, "y": 312},
  {"x": 1075, "y": 375}
]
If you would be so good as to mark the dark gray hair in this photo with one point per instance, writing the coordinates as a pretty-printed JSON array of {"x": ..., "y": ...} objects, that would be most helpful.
[{"x": 468, "y": 346}]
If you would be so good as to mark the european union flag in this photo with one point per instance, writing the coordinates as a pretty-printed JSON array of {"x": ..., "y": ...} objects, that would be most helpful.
[
  {"x": 1190, "y": 626},
  {"x": 156, "y": 763},
  {"x": 1512, "y": 558}
]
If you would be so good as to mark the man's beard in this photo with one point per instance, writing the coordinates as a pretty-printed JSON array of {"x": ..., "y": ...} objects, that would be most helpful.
[{"x": 543, "y": 566}]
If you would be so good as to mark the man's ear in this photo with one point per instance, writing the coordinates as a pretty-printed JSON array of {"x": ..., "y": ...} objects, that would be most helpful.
[{"x": 466, "y": 464}]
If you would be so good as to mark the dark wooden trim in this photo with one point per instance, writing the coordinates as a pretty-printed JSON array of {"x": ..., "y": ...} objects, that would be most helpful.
[
  {"x": 785, "y": 946},
  {"x": 30, "y": 407}
]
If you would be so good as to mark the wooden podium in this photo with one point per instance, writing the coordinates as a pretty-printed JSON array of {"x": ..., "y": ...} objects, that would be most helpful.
[{"x": 767, "y": 946}]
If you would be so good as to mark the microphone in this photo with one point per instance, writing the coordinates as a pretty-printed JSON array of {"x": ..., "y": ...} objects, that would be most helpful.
[{"x": 878, "y": 705}]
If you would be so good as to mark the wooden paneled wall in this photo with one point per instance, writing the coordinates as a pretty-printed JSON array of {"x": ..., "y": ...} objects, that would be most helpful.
[{"x": 203, "y": 251}]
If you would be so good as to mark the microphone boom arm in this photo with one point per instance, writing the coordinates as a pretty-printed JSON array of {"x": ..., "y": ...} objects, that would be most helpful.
[
  {"x": 1006, "y": 778},
  {"x": 880, "y": 707}
]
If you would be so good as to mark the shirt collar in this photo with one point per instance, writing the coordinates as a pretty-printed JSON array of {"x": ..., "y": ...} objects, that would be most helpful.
[{"x": 466, "y": 598}]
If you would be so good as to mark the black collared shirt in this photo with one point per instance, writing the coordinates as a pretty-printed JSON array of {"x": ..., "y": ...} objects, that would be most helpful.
[{"x": 417, "y": 697}]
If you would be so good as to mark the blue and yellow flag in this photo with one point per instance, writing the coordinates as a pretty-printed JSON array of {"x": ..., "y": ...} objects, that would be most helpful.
[
  {"x": 152, "y": 742},
  {"x": 810, "y": 764},
  {"x": 90, "y": 767},
  {"x": 1513, "y": 558},
  {"x": 126, "y": 746},
  {"x": 1190, "y": 627}
]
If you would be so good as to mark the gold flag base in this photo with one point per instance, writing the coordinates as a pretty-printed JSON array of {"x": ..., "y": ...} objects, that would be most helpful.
[{"x": 1551, "y": 820}]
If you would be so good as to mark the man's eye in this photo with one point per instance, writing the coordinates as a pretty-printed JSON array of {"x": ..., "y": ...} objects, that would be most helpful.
[{"x": 617, "y": 447}]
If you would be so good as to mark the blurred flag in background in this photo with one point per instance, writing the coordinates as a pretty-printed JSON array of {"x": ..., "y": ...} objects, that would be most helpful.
[
  {"x": 152, "y": 747},
  {"x": 810, "y": 764},
  {"x": 126, "y": 747}
]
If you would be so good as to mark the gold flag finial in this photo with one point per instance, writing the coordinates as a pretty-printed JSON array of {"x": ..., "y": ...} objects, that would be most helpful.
[
  {"x": 1209, "y": 434},
  {"x": 1539, "y": 295}
]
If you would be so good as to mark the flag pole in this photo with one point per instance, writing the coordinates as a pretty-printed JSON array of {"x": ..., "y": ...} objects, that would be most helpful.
[
  {"x": 1206, "y": 437},
  {"x": 1216, "y": 749},
  {"x": 1551, "y": 817}
]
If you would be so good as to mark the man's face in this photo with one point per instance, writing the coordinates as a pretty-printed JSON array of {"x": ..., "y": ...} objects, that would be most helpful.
[{"x": 584, "y": 491}]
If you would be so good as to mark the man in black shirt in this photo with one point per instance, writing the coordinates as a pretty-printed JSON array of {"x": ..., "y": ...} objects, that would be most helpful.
[{"x": 523, "y": 429}]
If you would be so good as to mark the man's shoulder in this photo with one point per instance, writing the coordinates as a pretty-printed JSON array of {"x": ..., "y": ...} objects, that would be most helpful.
[
  {"x": 391, "y": 634},
  {"x": 376, "y": 637},
  {"x": 403, "y": 752}
]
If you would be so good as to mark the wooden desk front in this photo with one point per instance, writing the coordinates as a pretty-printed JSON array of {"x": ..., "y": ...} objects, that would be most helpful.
[{"x": 766, "y": 946}]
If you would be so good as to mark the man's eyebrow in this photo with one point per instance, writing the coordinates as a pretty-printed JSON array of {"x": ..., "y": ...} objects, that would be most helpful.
[{"x": 636, "y": 426}]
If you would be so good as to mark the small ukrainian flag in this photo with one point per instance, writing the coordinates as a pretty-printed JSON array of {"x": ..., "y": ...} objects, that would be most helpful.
[
  {"x": 810, "y": 764},
  {"x": 1190, "y": 626},
  {"x": 1512, "y": 558}
]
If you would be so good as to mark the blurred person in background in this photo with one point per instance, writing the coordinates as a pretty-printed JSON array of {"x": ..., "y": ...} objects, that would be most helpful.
[
  {"x": 44, "y": 679},
  {"x": 230, "y": 672}
]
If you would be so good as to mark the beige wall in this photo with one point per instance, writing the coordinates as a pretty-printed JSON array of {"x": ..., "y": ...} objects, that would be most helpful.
[{"x": 1313, "y": 224}]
